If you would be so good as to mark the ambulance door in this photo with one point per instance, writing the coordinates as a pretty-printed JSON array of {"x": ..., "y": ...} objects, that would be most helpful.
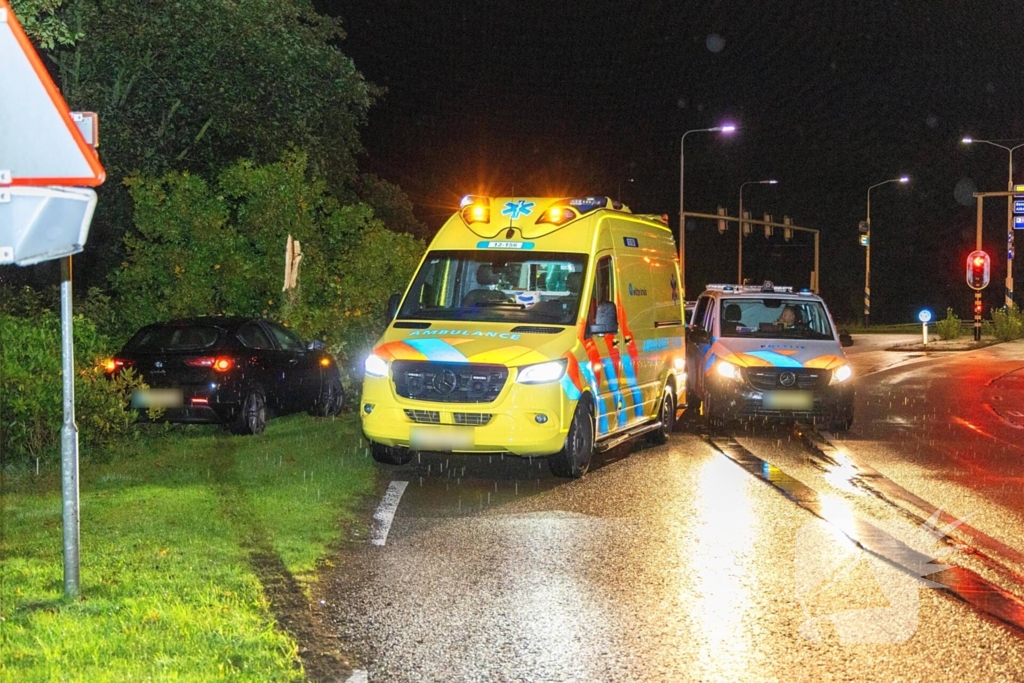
[
  {"x": 639, "y": 384},
  {"x": 604, "y": 369}
]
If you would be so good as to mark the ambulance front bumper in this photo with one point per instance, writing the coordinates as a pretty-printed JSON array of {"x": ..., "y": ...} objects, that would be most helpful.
[{"x": 527, "y": 420}]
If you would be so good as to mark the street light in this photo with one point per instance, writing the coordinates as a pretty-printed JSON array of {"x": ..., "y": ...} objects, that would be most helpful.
[
  {"x": 1009, "y": 214},
  {"x": 867, "y": 251},
  {"x": 727, "y": 128},
  {"x": 739, "y": 268}
]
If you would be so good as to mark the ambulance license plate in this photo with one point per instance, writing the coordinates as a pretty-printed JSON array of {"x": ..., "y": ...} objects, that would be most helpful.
[
  {"x": 788, "y": 400},
  {"x": 441, "y": 438}
]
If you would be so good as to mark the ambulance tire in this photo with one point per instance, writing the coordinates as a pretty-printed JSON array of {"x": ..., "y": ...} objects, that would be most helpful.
[
  {"x": 573, "y": 460},
  {"x": 390, "y": 455},
  {"x": 667, "y": 416}
]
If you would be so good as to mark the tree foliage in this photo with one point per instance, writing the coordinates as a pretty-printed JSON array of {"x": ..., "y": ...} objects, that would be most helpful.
[
  {"x": 196, "y": 84},
  {"x": 203, "y": 249}
]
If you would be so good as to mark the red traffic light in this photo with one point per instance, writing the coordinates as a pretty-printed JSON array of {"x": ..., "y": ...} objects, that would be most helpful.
[{"x": 979, "y": 267}]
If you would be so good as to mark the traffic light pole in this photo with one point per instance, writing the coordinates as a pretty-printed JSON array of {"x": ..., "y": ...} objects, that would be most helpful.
[{"x": 977, "y": 294}]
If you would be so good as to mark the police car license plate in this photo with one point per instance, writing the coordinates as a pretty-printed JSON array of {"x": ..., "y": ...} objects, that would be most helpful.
[
  {"x": 441, "y": 438},
  {"x": 788, "y": 400}
]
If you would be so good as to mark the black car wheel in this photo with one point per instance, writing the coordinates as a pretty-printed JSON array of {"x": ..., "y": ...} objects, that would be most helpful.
[
  {"x": 331, "y": 398},
  {"x": 667, "y": 415},
  {"x": 574, "y": 458},
  {"x": 390, "y": 455},
  {"x": 252, "y": 418}
]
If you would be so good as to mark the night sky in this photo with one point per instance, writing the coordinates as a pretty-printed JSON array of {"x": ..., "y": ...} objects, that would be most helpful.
[{"x": 569, "y": 99}]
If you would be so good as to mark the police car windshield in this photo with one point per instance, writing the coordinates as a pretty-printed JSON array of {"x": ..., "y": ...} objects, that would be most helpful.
[
  {"x": 497, "y": 286},
  {"x": 774, "y": 318}
]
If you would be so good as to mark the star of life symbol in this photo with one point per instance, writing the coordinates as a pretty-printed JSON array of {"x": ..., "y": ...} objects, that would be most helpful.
[
  {"x": 517, "y": 209},
  {"x": 906, "y": 554}
]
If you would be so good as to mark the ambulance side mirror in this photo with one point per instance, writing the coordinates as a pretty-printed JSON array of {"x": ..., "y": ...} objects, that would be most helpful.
[
  {"x": 393, "y": 306},
  {"x": 605, "y": 321}
]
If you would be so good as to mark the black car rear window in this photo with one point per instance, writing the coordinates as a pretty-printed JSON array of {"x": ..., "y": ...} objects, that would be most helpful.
[{"x": 185, "y": 338}]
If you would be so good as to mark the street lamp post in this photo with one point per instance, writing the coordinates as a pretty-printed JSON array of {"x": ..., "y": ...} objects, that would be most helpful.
[
  {"x": 1009, "y": 214},
  {"x": 728, "y": 128},
  {"x": 867, "y": 250},
  {"x": 739, "y": 267}
]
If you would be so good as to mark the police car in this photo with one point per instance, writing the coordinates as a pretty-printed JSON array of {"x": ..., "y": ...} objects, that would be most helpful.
[{"x": 767, "y": 353}]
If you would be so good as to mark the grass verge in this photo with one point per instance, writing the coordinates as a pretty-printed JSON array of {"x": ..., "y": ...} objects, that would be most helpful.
[{"x": 179, "y": 541}]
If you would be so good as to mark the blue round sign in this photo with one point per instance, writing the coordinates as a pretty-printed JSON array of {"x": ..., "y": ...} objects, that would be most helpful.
[{"x": 924, "y": 316}]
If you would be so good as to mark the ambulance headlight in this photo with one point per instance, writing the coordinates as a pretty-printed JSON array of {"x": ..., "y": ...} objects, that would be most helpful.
[
  {"x": 542, "y": 373},
  {"x": 375, "y": 366},
  {"x": 728, "y": 370},
  {"x": 841, "y": 374}
]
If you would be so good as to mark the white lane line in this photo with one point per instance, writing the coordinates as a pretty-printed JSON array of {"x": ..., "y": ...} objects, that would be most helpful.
[
  {"x": 385, "y": 513},
  {"x": 359, "y": 676}
]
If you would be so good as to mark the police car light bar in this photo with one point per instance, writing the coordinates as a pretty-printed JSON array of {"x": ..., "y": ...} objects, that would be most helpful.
[{"x": 768, "y": 287}]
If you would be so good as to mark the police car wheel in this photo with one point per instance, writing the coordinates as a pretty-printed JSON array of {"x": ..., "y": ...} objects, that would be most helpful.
[
  {"x": 574, "y": 458},
  {"x": 390, "y": 455},
  {"x": 667, "y": 415}
]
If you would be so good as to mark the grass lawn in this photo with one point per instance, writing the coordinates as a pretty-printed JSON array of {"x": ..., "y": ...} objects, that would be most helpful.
[{"x": 179, "y": 539}]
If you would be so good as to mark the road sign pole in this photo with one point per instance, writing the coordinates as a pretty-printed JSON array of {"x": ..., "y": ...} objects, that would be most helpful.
[{"x": 69, "y": 439}]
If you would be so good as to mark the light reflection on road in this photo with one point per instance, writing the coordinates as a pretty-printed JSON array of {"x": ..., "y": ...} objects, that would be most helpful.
[{"x": 722, "y": 564}]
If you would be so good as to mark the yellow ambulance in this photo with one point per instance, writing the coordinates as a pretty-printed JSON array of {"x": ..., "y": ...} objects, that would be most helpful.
[{"x": 534, "y": 327}]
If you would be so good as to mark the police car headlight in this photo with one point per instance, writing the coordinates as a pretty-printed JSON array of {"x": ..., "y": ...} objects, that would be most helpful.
[
  {"x": 728, "y": 370},
  {"x": 542, "y": 373},
  {"x": 841, "y": 374},
  {"x": 375, "y": 366}
]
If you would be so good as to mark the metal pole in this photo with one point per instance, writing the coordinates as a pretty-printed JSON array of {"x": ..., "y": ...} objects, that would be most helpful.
[
  {"x": 1009, "y": 237},
  {"x": 69, "y": 438},
  {"x": 817, "y": 274},
  {"x": 682, "y": 219},
  {"x": 867, "y": 267},
  {"x": 739, "y": 265},
  {"x": 977, "y": 295}
]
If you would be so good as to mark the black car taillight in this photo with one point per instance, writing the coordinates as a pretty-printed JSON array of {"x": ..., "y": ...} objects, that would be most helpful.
[
  {"x": 218, "y": 363},
  {"x": 112, "y": 365}
]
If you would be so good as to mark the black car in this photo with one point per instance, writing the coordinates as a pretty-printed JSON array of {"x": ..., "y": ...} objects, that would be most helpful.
[{"x": 232, "y": 371}]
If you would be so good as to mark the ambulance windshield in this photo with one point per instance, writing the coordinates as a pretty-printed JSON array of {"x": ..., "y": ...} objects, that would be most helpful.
[
  {"x": 497, "y": 286},
  {"x": 774, "y": 318}
]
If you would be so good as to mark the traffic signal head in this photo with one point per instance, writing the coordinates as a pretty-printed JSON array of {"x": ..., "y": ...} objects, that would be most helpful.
[
  {"x": 979, "y": 267},
  {"x": 977, "y": 308}
]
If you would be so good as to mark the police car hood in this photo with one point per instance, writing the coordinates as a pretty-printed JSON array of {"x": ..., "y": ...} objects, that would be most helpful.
[
  {"x": 456, "y": 342},
  {"x": 781, "y": 353}
]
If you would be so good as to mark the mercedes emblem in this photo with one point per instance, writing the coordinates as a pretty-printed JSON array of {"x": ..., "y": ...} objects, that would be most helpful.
[
  {"x": 787, "y": 378},
  {"x": 445, "y": 382}
]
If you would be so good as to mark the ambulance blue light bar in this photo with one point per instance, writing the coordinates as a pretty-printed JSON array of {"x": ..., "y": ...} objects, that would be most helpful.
[{"x": 588, "y": 204}]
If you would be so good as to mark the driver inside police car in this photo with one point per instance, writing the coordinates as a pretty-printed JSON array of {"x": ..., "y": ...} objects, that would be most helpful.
[{"x": 789, "y": 317}]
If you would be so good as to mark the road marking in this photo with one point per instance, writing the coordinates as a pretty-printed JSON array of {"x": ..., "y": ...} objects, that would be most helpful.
[
  {"x": 385, "y": 513},
  {"x": 358, "y": 676}
]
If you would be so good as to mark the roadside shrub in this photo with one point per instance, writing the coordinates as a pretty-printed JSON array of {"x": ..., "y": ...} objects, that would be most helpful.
[
  {"x": 31, "y": 394},
  {"x": 209, "y": 249},
  {"x": 1008, "y": 323},
  {"x": 949, "y": 327}
]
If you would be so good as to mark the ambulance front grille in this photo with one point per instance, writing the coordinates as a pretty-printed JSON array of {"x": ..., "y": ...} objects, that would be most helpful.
[
  {"x": 777, "y": 379},
  {"x": 448, "y": 382},
  {"x": 424, "y": 416},
  {"x": 474, "y": 419}
]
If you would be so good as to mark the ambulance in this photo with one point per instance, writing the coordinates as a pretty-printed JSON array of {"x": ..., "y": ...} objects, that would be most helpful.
[
  {"x": 533, "y": 327},
  {"x": 767, "y": 353}
]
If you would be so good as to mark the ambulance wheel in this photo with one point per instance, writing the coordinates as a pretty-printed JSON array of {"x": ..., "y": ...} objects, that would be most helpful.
[
  {"x": 667, "y": 416},
  {"x": 390, "y": 455},
  {"x": 574, "y": 458}
]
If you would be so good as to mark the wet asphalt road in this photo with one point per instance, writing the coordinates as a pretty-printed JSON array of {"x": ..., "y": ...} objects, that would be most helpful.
[{"x": 674, "y": 563}]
